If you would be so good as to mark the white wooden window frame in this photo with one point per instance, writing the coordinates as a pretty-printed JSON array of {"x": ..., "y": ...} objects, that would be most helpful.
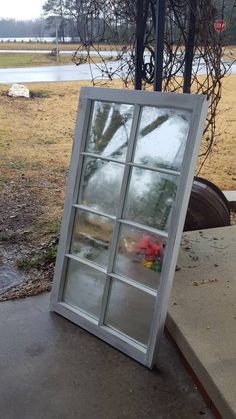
[{"x": 198, "y": 106}]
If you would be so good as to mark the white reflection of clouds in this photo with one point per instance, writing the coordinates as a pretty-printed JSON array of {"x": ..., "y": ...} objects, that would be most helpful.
[{"x": 164, "y": 145}]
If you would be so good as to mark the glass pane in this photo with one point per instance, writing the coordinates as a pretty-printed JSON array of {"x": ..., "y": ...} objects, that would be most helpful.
[
  {"x": 91, "y": 237},
  {"x": 130, "y": 311},
  {"x": 139, "y": 256},
  {"x": 84, "y": 288},
  {"x": 110, "y": 129},
  {"x": 162, "y": 137},
  {"x": 150, "y": 198},
  {"x": 101, "y": 184}
]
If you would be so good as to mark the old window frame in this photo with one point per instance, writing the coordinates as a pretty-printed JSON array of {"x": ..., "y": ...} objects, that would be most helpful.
[{"x": 198, "y": 106}]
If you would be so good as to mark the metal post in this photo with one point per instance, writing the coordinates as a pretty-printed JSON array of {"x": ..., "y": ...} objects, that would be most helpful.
[
  {"x": 159, "y": 43},
  {"x": 139, "y": 47},
  {"x": 57, "y": 50},
  {"x": 189, "y": 47}
]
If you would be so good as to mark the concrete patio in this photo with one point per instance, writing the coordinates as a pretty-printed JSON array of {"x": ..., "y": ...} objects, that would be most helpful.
[{"x": 51, "y": 369}]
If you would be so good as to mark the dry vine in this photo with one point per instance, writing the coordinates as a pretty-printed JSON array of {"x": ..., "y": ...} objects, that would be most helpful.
[{"x": 114, "y": 22}]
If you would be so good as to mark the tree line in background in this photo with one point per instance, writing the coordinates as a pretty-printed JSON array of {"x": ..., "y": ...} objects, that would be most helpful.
[
  {"x": 11, "y": 28},
  {"x": 77, "y": 20},
  {"x": 39, "y": 28}
]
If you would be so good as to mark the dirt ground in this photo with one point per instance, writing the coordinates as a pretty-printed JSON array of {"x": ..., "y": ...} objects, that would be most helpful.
[{"x": 35, "y": 145}]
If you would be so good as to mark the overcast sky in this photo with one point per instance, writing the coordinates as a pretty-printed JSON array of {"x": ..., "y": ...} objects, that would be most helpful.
[{"x": 21, "y": 9}]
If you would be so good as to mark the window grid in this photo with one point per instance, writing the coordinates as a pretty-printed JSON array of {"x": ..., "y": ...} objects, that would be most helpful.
[
  {"x": 130, "y": 223},
  {"x": 132, "y": 164},
  {"x": 116, "y": 230},
  {"x": 124, "y": 279},
  {"x": 128, "y": 165}
]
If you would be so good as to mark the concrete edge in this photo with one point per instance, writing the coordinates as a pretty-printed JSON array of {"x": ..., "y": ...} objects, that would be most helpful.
[
  {"x": 231, "y": 198},
  {"x": 205, "y": 379}
]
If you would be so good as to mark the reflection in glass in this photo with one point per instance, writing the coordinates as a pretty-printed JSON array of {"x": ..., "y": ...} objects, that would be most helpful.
[
  {"x": 139, "y": 256},
  {"x": 162, "y": 137},
  {"x": 101, "y": 184},
  {"x": 150, "y": 198},
  {"x": 91, "y": 237},
  {"x": 84, "y": 288},
  {"x": 130, "y": 311},
  {"x": 110, "y": 129}
]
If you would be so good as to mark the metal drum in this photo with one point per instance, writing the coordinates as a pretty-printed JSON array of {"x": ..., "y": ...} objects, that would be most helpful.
[{"x": 208, "y": 207}]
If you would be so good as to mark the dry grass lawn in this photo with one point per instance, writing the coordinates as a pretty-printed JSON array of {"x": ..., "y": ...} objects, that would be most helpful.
[
  {"x": 35, "y": 141},
  {"x": 35, "y": 145},
  {"x": 36, "y": 138},
  {"x": 12, "y": 60},
  {"x": 48, "y": 46},
  {"x": 220, "y": 168}
]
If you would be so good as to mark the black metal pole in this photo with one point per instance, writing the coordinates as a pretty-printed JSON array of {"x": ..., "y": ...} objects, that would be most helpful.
[
  {"x": 189, "y": 47},
  {"x": 159, "y": 43},
  {"x": 139, "y": 47}
]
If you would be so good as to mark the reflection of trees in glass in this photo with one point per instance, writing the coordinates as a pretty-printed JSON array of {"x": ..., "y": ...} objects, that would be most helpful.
[
  {"x": 91, "y": 236},
  {"x": 101, "y": 185},
  {"x": 102, "y": 180},
  {"x": 91, "y": 166},
  {"x": 107, "y": 119},
  {"x": 153, "y": 206},
  {"x": 154, "y": 125}
]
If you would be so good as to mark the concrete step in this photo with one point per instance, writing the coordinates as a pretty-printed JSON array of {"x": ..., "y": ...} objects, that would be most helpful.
[
  {"x": 202, "y": 312},
  {"x": 231, "y": 197}
]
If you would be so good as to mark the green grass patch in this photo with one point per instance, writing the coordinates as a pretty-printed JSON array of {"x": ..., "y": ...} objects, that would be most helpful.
[
  {"x": 39, "y": 94},
  {"x": 17, "y": 164},
  {"x": 40, "y": 261},
  {"x": 23, "y": 165},
  {"x": 11, "y": 60},
  {"x": 13, "y": 237}
]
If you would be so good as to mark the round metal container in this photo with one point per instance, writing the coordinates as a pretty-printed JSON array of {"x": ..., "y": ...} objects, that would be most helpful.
[{"x": 208, "y": 207}]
